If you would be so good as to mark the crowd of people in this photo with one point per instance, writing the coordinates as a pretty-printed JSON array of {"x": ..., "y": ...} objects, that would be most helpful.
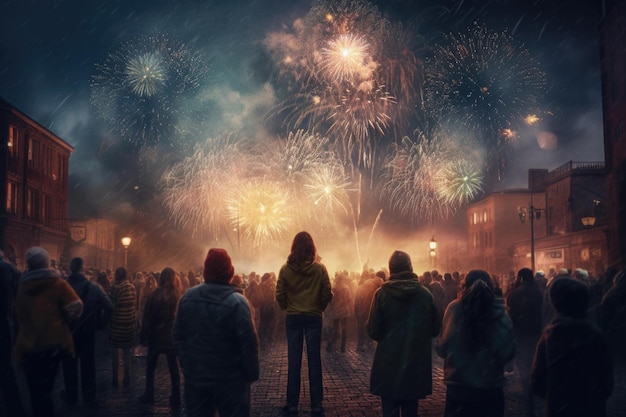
[{"x": 564, "y": 334}]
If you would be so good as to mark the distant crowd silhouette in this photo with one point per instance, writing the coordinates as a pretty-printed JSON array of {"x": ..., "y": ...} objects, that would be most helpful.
[{"x": 564, "y": 334}]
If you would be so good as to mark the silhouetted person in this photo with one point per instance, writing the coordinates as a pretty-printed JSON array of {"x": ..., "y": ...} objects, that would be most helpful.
[
  {"x": 342, "y": 307},
  {"x": 303, "y": 291},
  {"x": 123, "y": 325},
  {"x": 45, "y": 306},
  {"x": 9, "y": 280},
  {"x": 572, "y": 367},
  {"x": 524, "y": 303},
  {"x": 362, "y": 303},
  {"x": 97, "y": 310},
  {"x": 156, "y": 333},
  {"x": 266, "y": 309},
  {"x": 217, "y": 342},
  {"x": 403, "y": 320},
  {"x": 476, "y": 342}
]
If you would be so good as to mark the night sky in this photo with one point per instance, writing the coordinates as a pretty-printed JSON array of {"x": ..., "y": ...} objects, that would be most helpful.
[{"x": 49, "y": 51}]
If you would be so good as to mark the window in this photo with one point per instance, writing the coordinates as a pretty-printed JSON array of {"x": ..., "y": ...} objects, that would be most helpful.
[
  {"x": 485, "y": 216},
  {"x": 34, "y": 157},
  {"x": 47, "y": 161},
  {"x": 474, "y": 218},
  {"x": 32, "y": 204},
  {"x": 11, "y": 198},
  {"x": 13, "y": 142},
  {"x": 45, "y": 210}
]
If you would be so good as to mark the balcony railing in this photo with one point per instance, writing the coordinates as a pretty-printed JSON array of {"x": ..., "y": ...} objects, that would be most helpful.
[{"x": 589, "y": 167}]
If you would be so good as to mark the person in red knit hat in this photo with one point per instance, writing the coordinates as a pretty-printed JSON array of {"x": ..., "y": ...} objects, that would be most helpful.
[{"x": 217, "y": 341}]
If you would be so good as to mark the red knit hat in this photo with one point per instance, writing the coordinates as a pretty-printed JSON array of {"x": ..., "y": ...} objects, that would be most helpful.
[{"x": 218, "y": 266}]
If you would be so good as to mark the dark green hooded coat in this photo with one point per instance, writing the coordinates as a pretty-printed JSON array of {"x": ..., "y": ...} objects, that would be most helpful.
[{"x": 403, "y": 319}]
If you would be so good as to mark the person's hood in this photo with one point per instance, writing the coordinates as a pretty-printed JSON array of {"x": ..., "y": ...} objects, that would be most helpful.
[
  {"x": 403, "y": 285},
  {"x": 40, "y": 274},
  {"x": 306, "y": 268},
  {"x": 565, "y": 334},
  {"x": 38, "y": 280}
]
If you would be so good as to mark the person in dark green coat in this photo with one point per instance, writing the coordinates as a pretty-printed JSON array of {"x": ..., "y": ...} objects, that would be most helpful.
[{"x": 403, "y": 319}]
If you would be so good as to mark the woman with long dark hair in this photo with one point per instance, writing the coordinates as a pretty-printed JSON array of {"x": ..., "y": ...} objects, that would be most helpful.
[
  {"x": 303, "y": 291},
  {"x": 476, "y": 342},
  {"x": 156, "y": 333}
]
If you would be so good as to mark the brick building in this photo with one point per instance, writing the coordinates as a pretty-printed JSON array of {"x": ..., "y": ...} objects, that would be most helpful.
[
  {"x": 560, "y": 221},
  {"x": 33, "y": 180}
]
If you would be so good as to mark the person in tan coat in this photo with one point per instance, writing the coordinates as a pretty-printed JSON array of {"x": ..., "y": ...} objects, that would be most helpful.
[{"x": 45, "y": 306}]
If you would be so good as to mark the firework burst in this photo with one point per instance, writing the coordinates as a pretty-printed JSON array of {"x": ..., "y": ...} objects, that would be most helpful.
[
  {"x": 294, "y": 157},
  {"x": 145, "y": 74},
  {"x": 341, "y": 93},
  {"x": 327, "y": 186},
  {"x": 347, "y": 59},
  {"x": 485, "y": 82},
  {"x": 359, "y": 113},
  {"x": 460, "y": 181},
  {"x": 261, "y": 209},
  {"x": 194, "y": 189},
  {"x": 142, "y": 90},
  {"x": 421, "y": 179}
]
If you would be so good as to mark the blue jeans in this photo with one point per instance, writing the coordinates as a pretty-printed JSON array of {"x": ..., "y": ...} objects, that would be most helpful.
[{"x": 300, "y": 326}]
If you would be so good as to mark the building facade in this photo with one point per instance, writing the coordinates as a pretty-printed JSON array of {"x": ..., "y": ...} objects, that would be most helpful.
[
  {"x": 560, "y": 221},
  {"x": 496, "y": 225},
  {"x": 96, "y": 241},
  {"x": 613, "y": 68},
  {"x": 34, "y": 187},
  {"x": 576, "y": 219}
]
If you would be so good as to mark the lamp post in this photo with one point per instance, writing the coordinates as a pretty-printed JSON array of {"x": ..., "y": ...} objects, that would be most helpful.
[
  {"x": 126, "y": 244},
  {"x": 432, "y": 250},
  {"x": 533, "y": 213}
]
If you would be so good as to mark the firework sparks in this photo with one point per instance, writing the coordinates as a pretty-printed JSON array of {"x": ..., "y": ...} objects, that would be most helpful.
[
  {"x": 144, "y": 91},
  {"x": 341, "y": 93},
  {"x": 145, "y": 74},
  {"x": 260, "y": 209},
  {"x": 347, "y": 59},
  {"x": 359, "y": 114},
  {"x": 531, "y": 119},
  {"x": 425, "y": 179},
  {"x": 460, "y": 182},
  {"x": 486, "y": 82},
  {"x": 327, "y": 188},
  {"x": 297, "y": 155},
  {"x": 194, "y": 188}
]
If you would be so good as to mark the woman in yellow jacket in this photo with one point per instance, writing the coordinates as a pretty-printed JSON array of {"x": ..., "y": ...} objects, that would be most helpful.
[{"x": 303, "y": 291}]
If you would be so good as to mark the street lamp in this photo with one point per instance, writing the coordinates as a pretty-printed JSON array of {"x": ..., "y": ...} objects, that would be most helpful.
[
  {"x": 533, "y": 213},
  {"x": 432, "y": 250},
  {"x": 126, "y": 244}
]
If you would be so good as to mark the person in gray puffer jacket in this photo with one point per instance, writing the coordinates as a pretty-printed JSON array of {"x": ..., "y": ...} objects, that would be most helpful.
[{"x": 217, "y": 341}]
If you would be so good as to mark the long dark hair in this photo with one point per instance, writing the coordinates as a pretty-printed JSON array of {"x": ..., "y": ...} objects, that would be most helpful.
[
  {"x": 478, "y": 299},
  {"x": 302, "y": 249},
  {"x": 170, "y": 284},
  {"x": 120, "y": 274}
]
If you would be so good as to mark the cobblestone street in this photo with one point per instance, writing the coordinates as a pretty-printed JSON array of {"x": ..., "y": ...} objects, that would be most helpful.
[{"x": 346, "y": 385}]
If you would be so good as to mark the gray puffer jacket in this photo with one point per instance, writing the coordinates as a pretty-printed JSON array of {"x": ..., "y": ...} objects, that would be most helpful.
[{"x": 215, "y": 335}]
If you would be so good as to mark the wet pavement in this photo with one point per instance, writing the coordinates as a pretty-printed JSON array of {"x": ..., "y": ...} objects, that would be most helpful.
[{"x": 346, "y": 388}]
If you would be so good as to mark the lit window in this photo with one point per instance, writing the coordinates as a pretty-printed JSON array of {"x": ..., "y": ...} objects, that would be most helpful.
[{"x": 12, "y": 198}]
